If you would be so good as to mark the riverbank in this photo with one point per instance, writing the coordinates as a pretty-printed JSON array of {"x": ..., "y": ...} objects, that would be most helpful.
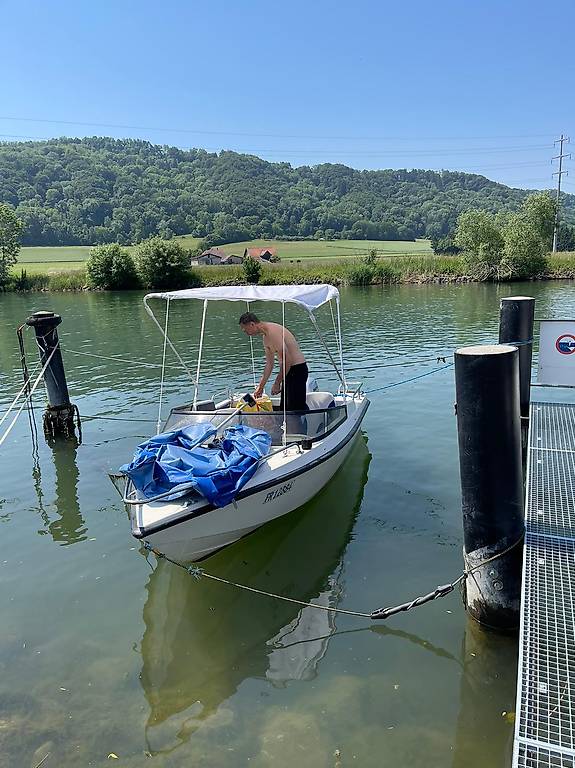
[{"x": 384, "y": 271}]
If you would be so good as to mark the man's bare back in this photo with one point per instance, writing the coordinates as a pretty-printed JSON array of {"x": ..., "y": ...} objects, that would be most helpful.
[
  {"x": 276, "y": 337},
  {"x": 278, "y": 342}
]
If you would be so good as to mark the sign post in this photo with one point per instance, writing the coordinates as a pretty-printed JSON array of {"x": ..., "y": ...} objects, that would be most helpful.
[{"x": 557, "y": 353}]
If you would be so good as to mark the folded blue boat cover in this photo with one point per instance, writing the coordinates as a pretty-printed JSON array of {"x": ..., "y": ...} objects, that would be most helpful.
[{"x": 167, "y": 460}]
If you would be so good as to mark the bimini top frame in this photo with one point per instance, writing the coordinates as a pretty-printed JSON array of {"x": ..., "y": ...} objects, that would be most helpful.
[{"x": 309, "y": 297}]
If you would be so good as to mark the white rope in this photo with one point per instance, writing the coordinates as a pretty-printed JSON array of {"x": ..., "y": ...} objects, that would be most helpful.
[
  {"x": 284, "y": 394},
  {"x": 163, "y": 368},
  {"x": 252, "y": 352},
  {"x": 19, "y": 395},
  {"x": 200, "y": 353},
  {"x": 32, "y": 390}
]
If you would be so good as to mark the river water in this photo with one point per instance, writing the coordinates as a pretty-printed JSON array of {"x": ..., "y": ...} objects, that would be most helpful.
[{"x": 105, "y": 652}]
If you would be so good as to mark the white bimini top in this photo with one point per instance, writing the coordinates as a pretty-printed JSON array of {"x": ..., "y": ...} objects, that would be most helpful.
[{"x": 309, "y": 297}]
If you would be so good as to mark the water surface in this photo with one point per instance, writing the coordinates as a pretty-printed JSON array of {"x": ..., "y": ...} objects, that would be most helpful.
[{"x": 105, "y": 651}]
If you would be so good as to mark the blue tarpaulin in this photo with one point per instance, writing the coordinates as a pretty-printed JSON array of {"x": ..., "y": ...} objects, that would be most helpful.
[{"x": 173, "y": 458}]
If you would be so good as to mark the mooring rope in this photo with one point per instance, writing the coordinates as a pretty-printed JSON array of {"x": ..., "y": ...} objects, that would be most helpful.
[
  {"x": 442, "y": 368},
  {"x": 114, "y": 359},
  {"x": 28, "y": 396},
  {"x": 377, "y": 615},
  {"x": 394, "y": 384},
  {"x": 407, "y": 381},
  {"x": 116, "y": 418},
  {"x": 26, "y": 377},
  {"x": 23, "y": 389}
]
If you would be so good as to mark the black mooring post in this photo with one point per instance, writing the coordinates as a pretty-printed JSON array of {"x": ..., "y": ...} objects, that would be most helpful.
[
  {"x": 59, "y": 415},
  {"x": 489, "y": 434},
  {"x": 516, "y": 315}
]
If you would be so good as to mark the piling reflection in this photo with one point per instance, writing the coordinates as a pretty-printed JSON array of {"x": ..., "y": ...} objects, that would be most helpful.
[
  {"x": 487, "y": 699},
  {"x": 69, "y": 526},
  {"x": 203, "y": 639}
]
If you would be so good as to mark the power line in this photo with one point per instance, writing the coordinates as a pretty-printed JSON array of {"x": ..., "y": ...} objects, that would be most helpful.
[
  {"x": 443, "y": 152},
  {"x": 530, "y": 180},
  {"x": 395, "y": 153},
  {"x": 265, "y": 135},
  {"x": 518, "y": 164}
]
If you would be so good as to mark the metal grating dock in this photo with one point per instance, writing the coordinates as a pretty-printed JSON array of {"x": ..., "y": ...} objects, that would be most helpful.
[{"x": 545, "y": 723}]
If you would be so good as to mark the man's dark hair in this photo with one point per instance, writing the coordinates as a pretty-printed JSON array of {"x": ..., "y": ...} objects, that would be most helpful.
[{"x": 248, "y": 317}]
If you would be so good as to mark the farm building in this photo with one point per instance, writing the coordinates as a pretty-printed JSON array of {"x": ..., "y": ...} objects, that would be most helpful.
[
  {"x": 216, "y": 256},
  {"x": 266, "y": 254},
  {"x": 211, "y": 256}
]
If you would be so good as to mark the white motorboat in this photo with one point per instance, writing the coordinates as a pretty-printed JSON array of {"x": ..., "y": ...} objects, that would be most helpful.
[
  {"x": 307, "y": 448},
  {"x": 280, "y": 641}
]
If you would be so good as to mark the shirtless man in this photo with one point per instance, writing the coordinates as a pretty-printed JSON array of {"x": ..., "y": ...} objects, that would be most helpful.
[{"x": 275, "y": 337}]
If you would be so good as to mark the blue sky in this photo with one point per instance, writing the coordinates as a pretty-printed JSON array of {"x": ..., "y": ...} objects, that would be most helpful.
[{"x": 482, "y": 86}]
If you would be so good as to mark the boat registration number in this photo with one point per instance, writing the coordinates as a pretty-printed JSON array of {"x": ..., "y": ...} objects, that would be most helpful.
[{"x": 272, "y": 495}]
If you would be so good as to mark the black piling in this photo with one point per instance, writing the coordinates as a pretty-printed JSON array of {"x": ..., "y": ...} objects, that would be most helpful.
[
  {"x": 489, "y": 434},
  {"x": 58, "y": 420},
  {"x": 516, "y": 315}
]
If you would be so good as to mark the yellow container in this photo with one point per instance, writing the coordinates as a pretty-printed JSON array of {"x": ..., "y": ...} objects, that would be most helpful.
[{"x": 262, "y": 404}]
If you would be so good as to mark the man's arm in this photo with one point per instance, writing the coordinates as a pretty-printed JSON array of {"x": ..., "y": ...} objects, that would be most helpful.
[
  {"x": 267, "y": 371},
  {"x": 277, "y": 385}
]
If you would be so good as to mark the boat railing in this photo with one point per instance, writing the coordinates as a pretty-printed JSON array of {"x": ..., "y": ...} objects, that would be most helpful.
[
  {"x": 131, "y": 493},
  {"x": 352, "y": 389}
]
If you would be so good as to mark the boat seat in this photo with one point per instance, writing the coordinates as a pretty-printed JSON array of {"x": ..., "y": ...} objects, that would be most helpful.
[
  {"x": 319, "y": 401},
  {"x": 315, "y": 422},
  {"x": 205, "y": 405}
]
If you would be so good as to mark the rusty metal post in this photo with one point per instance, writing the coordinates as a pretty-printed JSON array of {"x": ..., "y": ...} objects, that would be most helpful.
[{"x": 58, "y": 420}]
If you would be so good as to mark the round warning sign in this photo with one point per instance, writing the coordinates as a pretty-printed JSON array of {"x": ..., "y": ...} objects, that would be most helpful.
[{"x": 565, "y": 344}]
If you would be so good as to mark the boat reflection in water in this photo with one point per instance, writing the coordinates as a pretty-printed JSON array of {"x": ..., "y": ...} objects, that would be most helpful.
[{"x": 203, "y": 639}]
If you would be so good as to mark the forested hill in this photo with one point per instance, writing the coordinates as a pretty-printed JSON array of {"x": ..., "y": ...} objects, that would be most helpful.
[{"x": 85, "y": 191}]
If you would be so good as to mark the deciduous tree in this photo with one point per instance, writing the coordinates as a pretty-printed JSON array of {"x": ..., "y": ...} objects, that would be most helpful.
[
  {"x": 111, "y": 267},
  {"x": 524, "y": 250},
  {"x": 252, "y": 269},
  {"x": 10, "y": 230},
  {"x": 162, "y": 263},
  {"x": 566, "y": 238},
  {"x": 540, "y": 208},
  {"x": 479, "y": 236}
]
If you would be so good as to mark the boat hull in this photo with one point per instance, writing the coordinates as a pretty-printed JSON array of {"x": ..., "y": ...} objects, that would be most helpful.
[{"x": 199, "y": 535}]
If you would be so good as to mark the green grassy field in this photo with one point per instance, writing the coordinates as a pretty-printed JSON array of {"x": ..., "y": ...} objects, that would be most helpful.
[
  {"x": 187, "y": 241},
  {"x": 49, "y": 259},
  {"x": 332, "y": 249}
]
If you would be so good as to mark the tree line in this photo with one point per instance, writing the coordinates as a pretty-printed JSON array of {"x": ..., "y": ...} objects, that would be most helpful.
[{"x": 102, "y": 190}]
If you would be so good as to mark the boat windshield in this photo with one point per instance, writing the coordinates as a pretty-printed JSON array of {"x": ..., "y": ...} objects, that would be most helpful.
[{"x": 308, "y": 425}]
